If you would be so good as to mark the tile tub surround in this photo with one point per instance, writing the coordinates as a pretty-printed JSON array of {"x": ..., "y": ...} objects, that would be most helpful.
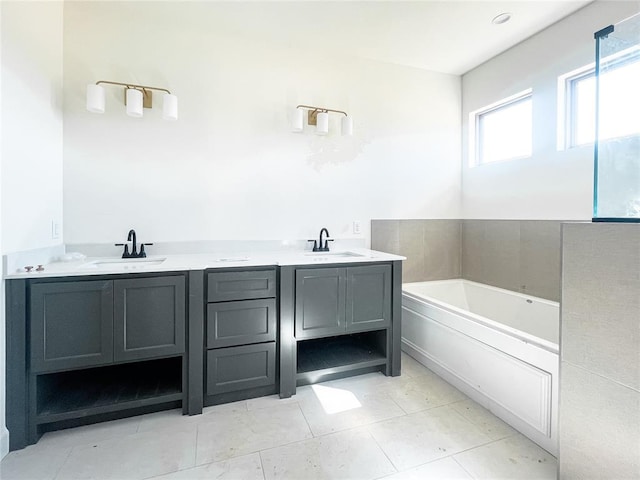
[
  {"x": 599, "y": 420},
  {"x": 460, "y": 440},
  {"x": 432, "y": 247},
  {"x": 518, "y": 255}
]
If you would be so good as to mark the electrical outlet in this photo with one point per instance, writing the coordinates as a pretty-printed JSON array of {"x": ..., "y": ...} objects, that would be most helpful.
[
  {"x": 357, "y": 227},
  {"x": 55, "y": 230}
]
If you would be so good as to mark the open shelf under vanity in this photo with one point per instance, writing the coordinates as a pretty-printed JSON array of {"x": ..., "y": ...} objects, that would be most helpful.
[
  {"x": 93, "y": 391},
  {"x": 331, "y": 357}
]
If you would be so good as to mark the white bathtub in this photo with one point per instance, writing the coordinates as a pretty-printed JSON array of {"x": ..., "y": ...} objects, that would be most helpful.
[{"x": 497, "y": 346}]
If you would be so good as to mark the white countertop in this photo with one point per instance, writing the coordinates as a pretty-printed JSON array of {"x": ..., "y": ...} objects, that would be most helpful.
[{"x": 202, "y": 261}]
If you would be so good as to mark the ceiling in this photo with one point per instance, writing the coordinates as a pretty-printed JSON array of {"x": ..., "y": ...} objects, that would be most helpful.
[
  {"x": 452, "y": 36},
  {"x": 447, "y": 36}
]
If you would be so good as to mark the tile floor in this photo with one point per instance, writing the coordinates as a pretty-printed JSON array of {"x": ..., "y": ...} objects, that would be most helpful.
[{"x": 415, "y": 426}]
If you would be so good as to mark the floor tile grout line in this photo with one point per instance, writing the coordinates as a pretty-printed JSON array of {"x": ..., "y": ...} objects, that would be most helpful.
[
  {"x": 271, "y": 447},
  {"x": 386, "y": 394},
  {"x": 352, "y": 427},
  {"x": 207, "y": 420},
  {"x": 462, "y": 466},
  {"x": 264, "y": 474},
  {"x": 313, "y": 435},
  {"x": 479, "y": 425},
  {"x": 195, "y": 453},
  {"x": 62, "y": 464},
  {"x": 397, "y": 470},
  {"x": 450, "y": 455},
  {"x": 444, "y": 456},
  {"x": 384, "y": 420},
  {"x": 358, "y": 427},
  {"x": 477, "y": 446}
]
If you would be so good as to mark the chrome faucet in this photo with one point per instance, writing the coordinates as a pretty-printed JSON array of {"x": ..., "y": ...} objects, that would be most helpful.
[
  {"x": 131, "y": 237},
  {"x": 318, "y": 246}
]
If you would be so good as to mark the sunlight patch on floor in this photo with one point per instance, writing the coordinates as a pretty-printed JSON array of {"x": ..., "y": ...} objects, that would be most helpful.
[{"x": 335, "y": 400}]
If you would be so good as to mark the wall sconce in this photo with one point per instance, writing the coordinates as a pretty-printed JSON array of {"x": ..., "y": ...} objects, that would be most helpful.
[
  {"x": 319, "y": 117},
  {"x": 136, "y": 97}
]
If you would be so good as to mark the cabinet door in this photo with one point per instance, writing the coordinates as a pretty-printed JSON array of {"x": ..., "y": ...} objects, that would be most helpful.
[
  {"x": 71, "y": 325},
  {"x": 240, "y": 323},
  {"x": 368, "y": 297},
  {"x": 320, "y": 302},
  {"x": 239, "y": 368},
  {"x": 149, "y": 318}
]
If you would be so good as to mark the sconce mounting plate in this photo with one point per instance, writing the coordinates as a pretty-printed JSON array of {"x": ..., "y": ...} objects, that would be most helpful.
[
  {"x": 312, "y": 117},
  {"x": 147, "y": 97}
]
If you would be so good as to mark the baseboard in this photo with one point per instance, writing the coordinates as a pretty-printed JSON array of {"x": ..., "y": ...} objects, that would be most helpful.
[{"x": 4, "y": 442}]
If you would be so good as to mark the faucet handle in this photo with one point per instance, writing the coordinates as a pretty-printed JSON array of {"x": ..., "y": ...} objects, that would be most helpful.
[
  {"x": 326, "y": 243},
  {"x": 125, "y": 253},
  {"x": 142, "y": 253},
  {"x": 315, "y": 245}
]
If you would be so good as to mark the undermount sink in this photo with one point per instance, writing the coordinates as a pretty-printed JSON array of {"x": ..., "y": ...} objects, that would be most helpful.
[
  {"x": 334, "y": 254},
  {"x": 124, "y": 263}
]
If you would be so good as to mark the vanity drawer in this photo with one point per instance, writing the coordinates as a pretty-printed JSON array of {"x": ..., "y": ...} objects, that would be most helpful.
[
  {"x": 240, "y": 368},
  {"x": 241, "y": 322},
  {"x": 225, "y": 286}
]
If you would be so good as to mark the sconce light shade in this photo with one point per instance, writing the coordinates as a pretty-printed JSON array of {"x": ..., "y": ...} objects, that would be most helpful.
[
  {"x": 319, "y": 116},
  {"x": 169, "y": 107},
  {"x": 134, "y": 102},
  {"x": 322, "y": 126},
  {"x": 347, "y": 126},
  {"x": 95, "y": 98},
  {"x": 297, "y": 124}
]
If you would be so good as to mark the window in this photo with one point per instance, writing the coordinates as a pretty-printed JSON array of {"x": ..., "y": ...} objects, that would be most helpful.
[
  {"x": 619, "y": 101},
  {"x": 502, "y": 130}
]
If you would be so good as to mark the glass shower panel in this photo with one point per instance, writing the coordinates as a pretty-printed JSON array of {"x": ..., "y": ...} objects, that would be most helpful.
[{"x": 616, "y": 195}]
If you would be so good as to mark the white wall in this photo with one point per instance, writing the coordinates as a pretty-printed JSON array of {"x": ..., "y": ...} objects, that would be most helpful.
[
  {"x": 551, "y": 184},
  {"x": 230, "y": 168},
  {"x": 31, "y": 137},
  {"x": 32, "y": 123}
]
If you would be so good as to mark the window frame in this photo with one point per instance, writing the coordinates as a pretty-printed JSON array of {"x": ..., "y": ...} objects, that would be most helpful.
[
  {"x": 571, "y": 108},
  {"x": 567, "y": 105},
  {"x": 475, "y": 132}
]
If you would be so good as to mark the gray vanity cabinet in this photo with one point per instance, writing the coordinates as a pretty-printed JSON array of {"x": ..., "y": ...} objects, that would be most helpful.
[
  {"x": 368, "y": 298},
  {"x": 240, "y": 323},
  {"x": 149, "y": 317},
  {"x": 241, "y": 333},
  {"x": 241, "y": 368},
  {"x": 338, "y": 320},
  {"x": 334, "y": 301},
  {"x": 84, "y": 350},
  {"x": 71, "y": 325},
  {"x": 320, "y": 302},
  {"x": 88, "y": 323}
]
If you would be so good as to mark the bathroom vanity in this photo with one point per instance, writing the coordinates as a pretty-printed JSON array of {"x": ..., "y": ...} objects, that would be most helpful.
[{"x": 88, "y": 344}]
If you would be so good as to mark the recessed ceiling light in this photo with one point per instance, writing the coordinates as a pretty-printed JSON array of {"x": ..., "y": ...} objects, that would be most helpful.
[{"x": 502, "y": 18}]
